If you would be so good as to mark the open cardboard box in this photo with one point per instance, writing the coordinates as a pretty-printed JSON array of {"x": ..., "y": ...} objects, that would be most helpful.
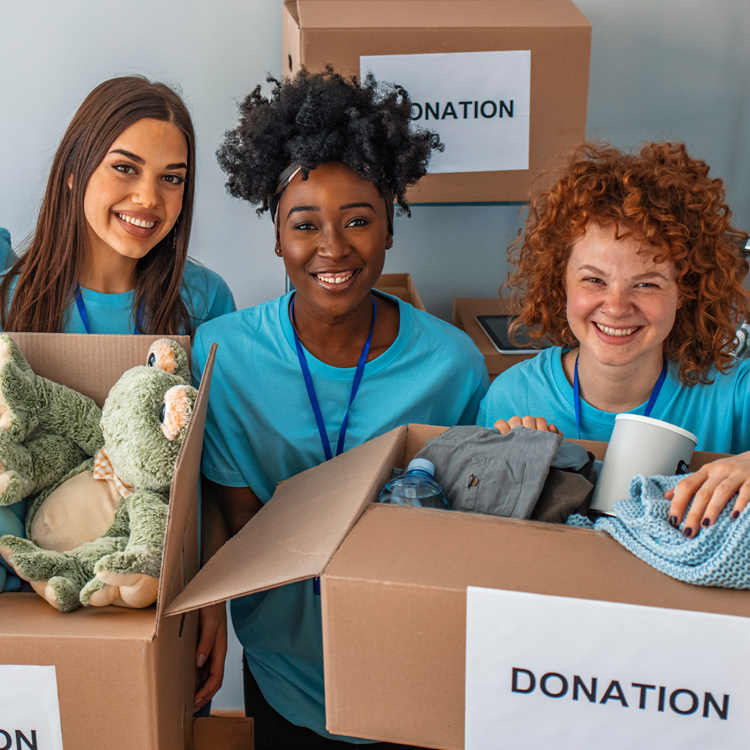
[
  {"x": 400, "y": 285},
  {"x": 125, "y": 678},
  {"x": 338, "y": 32},
  {"x": 394, "y": 582}
]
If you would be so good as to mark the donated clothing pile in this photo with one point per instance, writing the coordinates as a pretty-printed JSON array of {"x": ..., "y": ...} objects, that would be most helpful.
[{"x": 717, "y": 556}]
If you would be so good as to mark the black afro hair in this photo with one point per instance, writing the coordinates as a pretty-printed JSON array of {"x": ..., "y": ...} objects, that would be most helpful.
[{"x": 315, "y": 118}]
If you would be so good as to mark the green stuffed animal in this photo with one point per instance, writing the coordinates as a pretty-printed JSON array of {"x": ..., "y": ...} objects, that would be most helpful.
[{"x": 99, "y": 478}]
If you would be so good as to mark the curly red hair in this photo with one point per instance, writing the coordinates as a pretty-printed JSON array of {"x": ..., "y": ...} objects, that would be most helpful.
[{"x": 667, "y": 199}]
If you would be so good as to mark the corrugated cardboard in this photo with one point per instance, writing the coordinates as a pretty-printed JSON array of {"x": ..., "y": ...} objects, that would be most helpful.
[
  {"x": 337, "y": 32},
  {"x": 394, "y": 585},
  {"x": 125, "y": 678},
  {"x": 465, "y": 311},
  {"x": 223, "y": 733},
  {"x": 400, "y": 285}
]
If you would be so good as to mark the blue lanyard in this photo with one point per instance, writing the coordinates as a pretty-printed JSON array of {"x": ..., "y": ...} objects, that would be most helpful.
[
  {"x": 311, "y": 388},
  {"x": 85, "y": 316},
  {"x": 649, "y": 406}
]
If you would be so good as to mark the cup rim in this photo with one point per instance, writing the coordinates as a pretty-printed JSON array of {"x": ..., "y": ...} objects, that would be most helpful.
[{"x": 658, "y": 423}]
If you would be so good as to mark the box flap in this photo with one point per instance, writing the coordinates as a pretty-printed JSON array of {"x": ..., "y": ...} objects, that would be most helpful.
[
  {"x": 296, "y": 533},
  {"x": 426, "y": 14},
  {"x": 86, "y": 361},
  {"x": 180, "y": 559}
]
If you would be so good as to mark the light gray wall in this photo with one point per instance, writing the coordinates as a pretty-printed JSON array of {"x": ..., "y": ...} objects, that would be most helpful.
[{"x": 676, "y": 69}]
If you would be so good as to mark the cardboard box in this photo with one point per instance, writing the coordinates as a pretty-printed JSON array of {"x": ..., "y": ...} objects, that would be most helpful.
[
  {"x": 394, "y": 585},
  {"x": 125, "y": 678},
  {"x": 400, "y": 285},
  {"x": 557, "y": 34},
  {"x": 223, "y": 733},
  {"x": 465, "y": 310}
]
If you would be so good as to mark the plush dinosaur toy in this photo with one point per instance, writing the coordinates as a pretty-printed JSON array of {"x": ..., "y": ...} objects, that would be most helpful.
[{"x": 98, "y": 478}]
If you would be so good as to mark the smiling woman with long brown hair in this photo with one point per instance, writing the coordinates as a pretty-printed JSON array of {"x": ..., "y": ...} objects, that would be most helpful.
[{"x": 109, "y": 253}]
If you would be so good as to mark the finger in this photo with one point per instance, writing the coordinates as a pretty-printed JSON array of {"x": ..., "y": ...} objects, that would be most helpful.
[
  {"x": 541, "y": 424},
  {"x": 502, "y": 427},
  {"x": 215, "y": 676},
  {"x": 206, "y": 641},
  {"x": 722, "y": 494},
  {"x": 681, "y": 494},
  {"x": 529, "y": 423},
  {"x": 514, "y": 422},
  {"x": 554, "y": 428},
  {"x": 743, "y": 498},
  {"x": 698, "y": 506}
]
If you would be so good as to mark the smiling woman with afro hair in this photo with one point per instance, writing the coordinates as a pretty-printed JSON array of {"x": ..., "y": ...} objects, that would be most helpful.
[{"x": 330, "y": 365}]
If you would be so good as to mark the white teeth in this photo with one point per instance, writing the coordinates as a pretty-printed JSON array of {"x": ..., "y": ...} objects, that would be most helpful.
[
  {"x": 616, "y": 331},
  {"x": 137, "y": 222},
  {"x": 334, "y": 278}
]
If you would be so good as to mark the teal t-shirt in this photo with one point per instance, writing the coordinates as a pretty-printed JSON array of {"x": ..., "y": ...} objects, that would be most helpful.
[
  {"x": 205, "y": 294},
  {"x": 7, "y": 256},
  {"x": 260, "y": 430},
  {"x": 538, "y": 387}
]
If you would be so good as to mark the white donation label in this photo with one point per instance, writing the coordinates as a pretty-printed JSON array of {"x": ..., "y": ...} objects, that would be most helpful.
[
  {"x": 479, "y": 103},
  {"x": 29, "y": 708},
  {"x": 550, "y": 671}
]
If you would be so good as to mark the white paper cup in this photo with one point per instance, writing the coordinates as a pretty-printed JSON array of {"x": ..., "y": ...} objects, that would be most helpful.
[{"x": 639, "y": 445}]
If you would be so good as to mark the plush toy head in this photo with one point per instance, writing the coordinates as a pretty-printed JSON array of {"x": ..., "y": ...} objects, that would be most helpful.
[{"x": 145, "y": 418}]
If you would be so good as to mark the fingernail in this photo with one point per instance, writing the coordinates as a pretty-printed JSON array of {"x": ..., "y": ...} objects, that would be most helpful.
[
  {"x": 735, "y": 515},
  {"x": 687, "y": 531},
  {"x": 201, "y": 660},
  {"x": 706, "y": 521},
  {"x": 673, "y": 521}
]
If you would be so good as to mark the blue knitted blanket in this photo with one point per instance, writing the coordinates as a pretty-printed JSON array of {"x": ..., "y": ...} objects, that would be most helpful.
[{"x": 717, "y": 556}]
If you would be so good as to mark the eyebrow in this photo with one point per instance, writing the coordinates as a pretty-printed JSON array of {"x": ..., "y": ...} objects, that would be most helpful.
[
  {"x": 648, "y": 274},
  {"x": 343, "y": 207},
  {"x": 141, "y": 160}
]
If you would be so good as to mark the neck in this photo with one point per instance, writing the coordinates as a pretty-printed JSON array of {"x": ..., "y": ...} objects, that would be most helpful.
[
  {"x": 613, "y": 388},
  {"x": 335, "y": 340},
  {"x": 111, "y": 275}
]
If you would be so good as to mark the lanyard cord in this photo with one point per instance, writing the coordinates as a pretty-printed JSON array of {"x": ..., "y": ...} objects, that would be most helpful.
[
  {"x": 137, "y": 329},
  {"x": 312, "y": 396},
  {"x": 649, "y": 406}
]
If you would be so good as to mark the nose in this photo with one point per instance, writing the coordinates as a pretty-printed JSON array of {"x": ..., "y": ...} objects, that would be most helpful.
[
  {"x": 617, "y": 300},
  {"x": 333, "y": 243},
  {"x": 146, "y": 192}
]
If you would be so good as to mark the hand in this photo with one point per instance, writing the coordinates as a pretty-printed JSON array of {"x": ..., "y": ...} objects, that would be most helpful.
[
  {"x": 211, "y": 652},
  {"x": 532, "y": 423},
  {"x": 710, "y": 488}
]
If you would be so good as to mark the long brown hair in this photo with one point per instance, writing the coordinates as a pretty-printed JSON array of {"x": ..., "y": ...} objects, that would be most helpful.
[{"x": 46, "y": 275}]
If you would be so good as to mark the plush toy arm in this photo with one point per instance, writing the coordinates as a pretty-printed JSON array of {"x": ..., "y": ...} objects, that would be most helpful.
[{"x": 67, "y": 412}]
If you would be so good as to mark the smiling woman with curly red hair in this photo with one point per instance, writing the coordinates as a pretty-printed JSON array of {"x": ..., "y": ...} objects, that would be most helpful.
[{"x": 630, "y": 266}]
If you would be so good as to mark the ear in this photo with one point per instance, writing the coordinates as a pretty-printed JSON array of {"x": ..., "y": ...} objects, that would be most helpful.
[
  {"x": 69, "y": 182},
  {"x": 277, "y": 249},
  {"x": 388, "y": 241}
]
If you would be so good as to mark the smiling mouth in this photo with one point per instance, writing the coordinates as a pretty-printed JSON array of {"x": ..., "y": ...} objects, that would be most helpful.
[
  {"x": 609, "y": 331},
  {"x": 136, "y": 222},
  {"x": 334, "y": 279}
]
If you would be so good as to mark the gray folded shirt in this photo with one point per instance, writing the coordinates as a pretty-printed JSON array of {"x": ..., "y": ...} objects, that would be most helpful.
[{"x": 482, "y": 471}]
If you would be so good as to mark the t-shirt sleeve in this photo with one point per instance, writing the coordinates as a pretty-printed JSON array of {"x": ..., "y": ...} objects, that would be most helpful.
[
  {"x": 216, "y": 463},
  {"x": 741, "y": 427},
  {"x": 469, "y": 415},
  {"x": 7, "y": 256},
  {"x": 206, "y": 294}
]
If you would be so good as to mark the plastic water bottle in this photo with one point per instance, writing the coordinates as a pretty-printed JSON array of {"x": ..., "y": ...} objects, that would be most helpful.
[{"x": 416, "y": 487}]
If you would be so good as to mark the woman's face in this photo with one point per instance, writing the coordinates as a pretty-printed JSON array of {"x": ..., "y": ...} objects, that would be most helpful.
[
  {"x": 134, "y": 196},
  {"x": 621, "y": 305},
  {"x": 333, "y": 234}
]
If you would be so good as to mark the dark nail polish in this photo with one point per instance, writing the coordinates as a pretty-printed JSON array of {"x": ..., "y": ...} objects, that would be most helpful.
[
  {"x": 687, "y": 531},
  {"x": 735, "y": 515},
  {"x": 673, "y": 521},
  {"x": 706, "y": 522}
]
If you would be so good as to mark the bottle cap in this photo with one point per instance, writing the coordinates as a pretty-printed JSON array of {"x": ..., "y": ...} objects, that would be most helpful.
[{"x": 422, "y": 464}]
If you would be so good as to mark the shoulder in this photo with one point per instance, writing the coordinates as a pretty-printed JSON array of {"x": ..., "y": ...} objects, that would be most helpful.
[
  {"x": 207, "y": 294},
  {"x": 7, "y": 256},
  {"x": 249, "y": 323},
  {"x": 430, "y": 332}
]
